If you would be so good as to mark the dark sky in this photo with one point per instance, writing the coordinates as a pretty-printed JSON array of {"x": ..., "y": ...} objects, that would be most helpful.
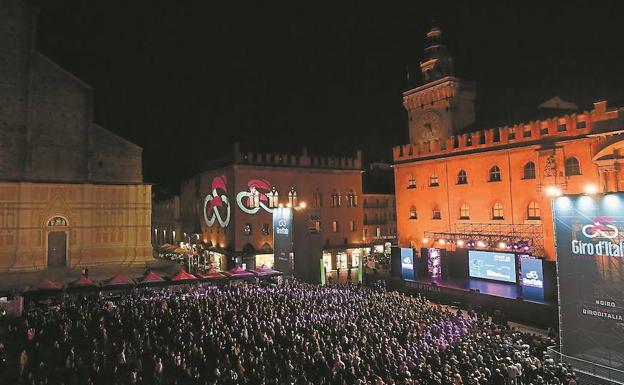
[{"x": 184, "y": 79}]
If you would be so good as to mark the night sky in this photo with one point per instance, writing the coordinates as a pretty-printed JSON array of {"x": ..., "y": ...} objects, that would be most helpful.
[{"x": 185, "y": 79}]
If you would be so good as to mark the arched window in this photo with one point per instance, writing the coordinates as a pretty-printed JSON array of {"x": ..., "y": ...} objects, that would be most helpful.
[
  {"x": 497, "y": 211},
  {"x": 292, "y": 197},
  {"x": 318, "y": 199},
  {"x": 495, "y": 174},
  {"x": 462, "y": 177},
  {"x": 572, "y": 166},
  {"x": 411, "y": 182},
  {"x": 434, "y": 181},
  {"x": 335, "y": 199},
  {"x": 351, "y": 199},
  {"x": 435, "y": 213},
  {"x": 533, "y": 211},
  {"x": 413, "y": 214},
  {"x": 464, "y": 211},
  {"x": 529, "y": 171},
  {"x": 273, "y": 197}
]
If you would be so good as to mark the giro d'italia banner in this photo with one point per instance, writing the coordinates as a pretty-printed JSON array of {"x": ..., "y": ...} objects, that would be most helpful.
[
  {"x": 589, "y": 237},
  {"x": 283, "y": 239}
]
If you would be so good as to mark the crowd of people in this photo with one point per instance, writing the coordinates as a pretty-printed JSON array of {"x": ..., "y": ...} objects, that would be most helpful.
[{"x": 292, "y": 334}]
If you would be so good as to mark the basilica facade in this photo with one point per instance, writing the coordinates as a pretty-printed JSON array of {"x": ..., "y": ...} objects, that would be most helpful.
[{"x": 71, "y": 192}]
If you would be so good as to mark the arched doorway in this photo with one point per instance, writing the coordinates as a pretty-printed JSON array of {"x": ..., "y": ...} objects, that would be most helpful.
[{"x": 57, "y": 241}]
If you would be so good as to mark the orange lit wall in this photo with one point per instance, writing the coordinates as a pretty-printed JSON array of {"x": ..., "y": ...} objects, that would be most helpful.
[{"x": 591, "y": 137}]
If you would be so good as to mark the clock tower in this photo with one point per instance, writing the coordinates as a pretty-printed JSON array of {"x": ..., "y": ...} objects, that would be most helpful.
[{"x": 444, "y": 104}]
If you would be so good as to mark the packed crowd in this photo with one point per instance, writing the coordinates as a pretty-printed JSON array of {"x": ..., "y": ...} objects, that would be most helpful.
[{"x": 294, "y": 334}]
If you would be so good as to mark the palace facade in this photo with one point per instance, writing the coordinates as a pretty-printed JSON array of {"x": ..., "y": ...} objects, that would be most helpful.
[
  {"x": 231, "y": 204},
  {"x": 460, "y": 185},
  {"x": 71, "y": 192}
]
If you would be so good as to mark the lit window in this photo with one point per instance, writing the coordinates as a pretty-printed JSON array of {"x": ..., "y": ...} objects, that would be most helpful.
[
  {"x": 529, "y": 171},
  {"x": 378, "y": 232},
  {"x": 468, "y": 139},
  {"x": 365, "y": 232},
  {"x": 335, "y": 199},
  {"x": 352, "y": 199},
  {"x": 572, "y": 166},
  {"x": 352, "y": 226},
  {"x": 495, "y": 174},
  {"x": 511, "y": 134},
  {"x": 292, "y": 197},
  {"x": 462, "y": 177},
  {"x": 497, "y": 211},
  {"x": 464, "y": 211},
  {"x": 435, "y": 213},
  {"x": 434, "y": 181},
  {"x": 335, "y": 226},
  {"x": 413, "y": 213},
  {"x": 533, "y": 211},
  {"x": 411, "y": 183},
  {"x": 273, "y": 197}
]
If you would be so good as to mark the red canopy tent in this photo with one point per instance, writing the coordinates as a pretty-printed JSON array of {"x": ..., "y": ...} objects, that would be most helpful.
[
  {"x": 211, "y": 274},
  {"x": 119, "y": 280},
  {"x": 238, "y": 273},
  {"x": 151, "y": 278},
  {"x": 183, "y": 276},
  {"x": 265, "y": 271},
  {"x": 83, "y": 282}
]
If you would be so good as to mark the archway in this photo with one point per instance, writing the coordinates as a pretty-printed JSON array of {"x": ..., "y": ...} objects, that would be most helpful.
[{"x": 57, "y": 241}]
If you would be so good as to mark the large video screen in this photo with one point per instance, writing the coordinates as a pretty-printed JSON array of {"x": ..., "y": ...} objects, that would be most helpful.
[
  {"x": 492, "y": 265},
  {"x": 589, "y": 240}
]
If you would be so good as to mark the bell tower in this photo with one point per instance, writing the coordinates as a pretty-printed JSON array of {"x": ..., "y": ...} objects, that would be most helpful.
[{"x": 443, "y": 105}]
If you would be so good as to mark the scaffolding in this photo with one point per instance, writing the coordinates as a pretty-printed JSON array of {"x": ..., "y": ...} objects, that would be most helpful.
[{"x": 492, "y": 234}]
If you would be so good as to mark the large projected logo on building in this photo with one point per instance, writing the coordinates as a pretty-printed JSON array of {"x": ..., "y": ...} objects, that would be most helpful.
[
  {"x": 590, "y": 264},
  {"x": 256, "y": 198},
  {"x": 217, "y": 204}
]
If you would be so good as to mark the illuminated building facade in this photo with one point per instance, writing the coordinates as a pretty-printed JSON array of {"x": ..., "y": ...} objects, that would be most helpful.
[
  {"x": 71, "y": 192},
  {"x": 231, "y": 204},
  {"x": 379, "y": 218},
  {"x": 459, "y": 186}
]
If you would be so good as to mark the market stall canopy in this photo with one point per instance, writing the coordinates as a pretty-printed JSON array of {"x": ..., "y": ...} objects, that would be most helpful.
[
  {"x": 151, "y": 277},
  {"x": 183, "y": 276},
  {"x": 238, "y": 272},
  {"x": 83, "y": 281},
  {"x": 265, "y": 271},
  {"x": 211, "y": 273},
  {"x": 119, "y": 280}
]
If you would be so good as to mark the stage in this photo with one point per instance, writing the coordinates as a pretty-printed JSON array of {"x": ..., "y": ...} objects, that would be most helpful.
[{"x": 485, "y": 294}]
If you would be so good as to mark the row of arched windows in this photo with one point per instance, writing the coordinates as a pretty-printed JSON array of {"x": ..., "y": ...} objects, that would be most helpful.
[
  {"x": 572, "y": 167},
  {"x": 496, "y": 212},
  {"x": 336, "y": 199}
]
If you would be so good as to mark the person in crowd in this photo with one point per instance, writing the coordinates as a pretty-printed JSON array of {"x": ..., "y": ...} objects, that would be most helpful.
[{"x": 296, "y": 334}]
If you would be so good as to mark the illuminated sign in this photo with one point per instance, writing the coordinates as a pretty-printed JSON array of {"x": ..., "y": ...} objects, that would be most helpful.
[
  {"x": 256, "y": 198},
  {"x": 217, "y": 203},
  {"x": 590, "y": 252}
]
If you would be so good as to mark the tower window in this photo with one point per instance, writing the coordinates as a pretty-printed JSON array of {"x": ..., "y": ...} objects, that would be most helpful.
[
  {"x": 561, "y": 127},
  {"x": 544, "y": 130},
  {"x": 435, "y": 213},
  {"x": 526, "y": 133},
  {"x": 511, "y": 134},
  {"x": 495, "y": 174},
  {"x": 481, "y": 137},
  {"x": 462, "y": 177},
  {"x": 581, "y": 125},
  {"x": 468, "y": 139},
  {"x": 413, "y": 214},
  {"x": 434, "y": 181},
  {"x": 572, "y": 166},
  {"x": 497, "y": 211},
  {"x": 455, "y": 141},
  {"x": 533, "y": 211},
  {"x": 464, "y": 211},
  {"x": 529, "y": 171},
  {"x": 411, "y": 182}
]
